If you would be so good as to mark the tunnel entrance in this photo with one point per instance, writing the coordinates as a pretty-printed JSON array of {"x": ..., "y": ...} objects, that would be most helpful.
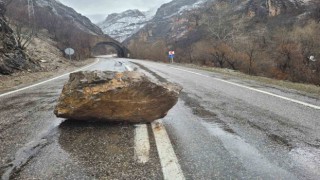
[{"x": 108, "y": 48}]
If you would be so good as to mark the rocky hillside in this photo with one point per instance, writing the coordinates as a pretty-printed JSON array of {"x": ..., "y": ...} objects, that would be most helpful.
[
  {"x": 66, "y": 26},
  {"x": 120, "y": 26},
  {"x": 68, "y": 14},
  {"x": 44, "y": 22},
  {"x": 273, "y": 38},
  {"x": 12, "y": 57},
  {"x": 175, "y": 19},
  {"x": 172, "y": 21}
]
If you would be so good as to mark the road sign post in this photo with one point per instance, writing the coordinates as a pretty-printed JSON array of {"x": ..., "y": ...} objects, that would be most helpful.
[
  {"x": 312, "y": 58},
  {"x": 70, "y": 52},
  {"x": 171, "y": 55}
]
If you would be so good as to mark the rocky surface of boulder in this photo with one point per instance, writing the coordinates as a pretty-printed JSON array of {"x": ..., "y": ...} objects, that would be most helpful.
[{"x": 113, "y": 96}]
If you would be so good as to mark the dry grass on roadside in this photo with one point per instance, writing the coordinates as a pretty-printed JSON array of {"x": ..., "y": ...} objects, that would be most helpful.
[{"x": 307, "y": 88}]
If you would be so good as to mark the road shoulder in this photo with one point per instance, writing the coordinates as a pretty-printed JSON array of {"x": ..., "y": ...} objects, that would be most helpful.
[
  {"x": 307, "y": 89},
  {"x": 23, "y": 79}
]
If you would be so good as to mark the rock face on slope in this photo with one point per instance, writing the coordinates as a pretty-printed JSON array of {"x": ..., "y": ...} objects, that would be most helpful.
[
  {"x": 55, "y": 8},
  {"x": 171, "y": 21},
  {"x": 12, "y": 56},
  {"x": 112, "y": 96},
  {"x": 175, "y": 20}
]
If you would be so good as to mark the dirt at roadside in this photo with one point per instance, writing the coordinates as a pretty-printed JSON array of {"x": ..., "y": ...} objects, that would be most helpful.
[{"x": 44, "y": 51}]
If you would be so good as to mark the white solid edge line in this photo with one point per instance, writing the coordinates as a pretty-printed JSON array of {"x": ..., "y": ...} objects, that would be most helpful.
[
  {"x": 253, "y": 89},
  {"x": 168, "y": 159},
  {"x": 141, "y": 143},
  {"x": 43, "y": 82}
]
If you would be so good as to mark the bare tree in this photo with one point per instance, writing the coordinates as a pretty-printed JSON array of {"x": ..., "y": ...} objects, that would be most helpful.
[
  {"x": 219, "y": 54},
  {"x": 8, "y": 2},
  {"x": 251, "y": 51},
  {"x": 315, "y": 13},
  {"x": 190, "y": 50},
  {"x": 22, "y": 23},
  {"x": 194, "y": 17},
  {"x": 23, "y": 35},
  {"x": 219, "y": 23},
  {"x": 250, "y": 47},
  {"x": 219, "y": 28}
]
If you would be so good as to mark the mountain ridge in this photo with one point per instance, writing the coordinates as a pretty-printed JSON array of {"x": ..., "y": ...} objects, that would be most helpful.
[
  {"x": 122, "y": 25},
  {"x": 230, "y": 33}
]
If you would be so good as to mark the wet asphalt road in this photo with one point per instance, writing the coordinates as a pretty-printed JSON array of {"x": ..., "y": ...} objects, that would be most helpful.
[{"x": 217, "y": 130}]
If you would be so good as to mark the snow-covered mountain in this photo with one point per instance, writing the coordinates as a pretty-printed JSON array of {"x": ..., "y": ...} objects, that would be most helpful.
[
  {"x": 172, "y": 21},
  {"x": 120, "y": 26},
  {"x": 178, "y": 7}
]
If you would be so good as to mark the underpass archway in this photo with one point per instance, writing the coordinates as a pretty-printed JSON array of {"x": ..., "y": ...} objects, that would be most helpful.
[{"x": 120, "y": 50}]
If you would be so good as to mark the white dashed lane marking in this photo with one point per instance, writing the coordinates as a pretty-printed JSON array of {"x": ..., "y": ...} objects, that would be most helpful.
[
  {"x": 141, "y": 143},
  {"x": 169, "y": 162},
  {"x": 168, "y": 159}
]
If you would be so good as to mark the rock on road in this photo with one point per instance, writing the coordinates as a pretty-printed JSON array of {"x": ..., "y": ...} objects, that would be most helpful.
[{"x": 221, "y": 128}]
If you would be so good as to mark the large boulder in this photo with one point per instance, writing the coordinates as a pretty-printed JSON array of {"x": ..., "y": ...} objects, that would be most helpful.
[{"x": 113, "y": 96}]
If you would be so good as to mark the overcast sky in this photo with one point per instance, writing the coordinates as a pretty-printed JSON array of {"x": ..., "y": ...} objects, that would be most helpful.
[{"x": 97, "y": 10}]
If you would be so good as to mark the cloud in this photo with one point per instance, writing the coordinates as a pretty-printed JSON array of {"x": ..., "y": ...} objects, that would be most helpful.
[{"x": 95, "y": 9}]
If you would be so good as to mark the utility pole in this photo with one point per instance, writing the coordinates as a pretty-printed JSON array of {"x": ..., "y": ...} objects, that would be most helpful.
[{"x": 31, "y": 13}]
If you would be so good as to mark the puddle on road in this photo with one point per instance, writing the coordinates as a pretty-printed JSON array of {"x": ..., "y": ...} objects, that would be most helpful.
[
  {"x": 204, "y": 114},
  {"x": 247, "y": 154},
  {"x": 308, "y": 158},
  {"x": 30, "y": 150}
]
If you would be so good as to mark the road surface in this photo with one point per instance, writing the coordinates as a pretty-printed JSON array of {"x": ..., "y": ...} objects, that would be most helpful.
[{"x": 221, "y": 128}]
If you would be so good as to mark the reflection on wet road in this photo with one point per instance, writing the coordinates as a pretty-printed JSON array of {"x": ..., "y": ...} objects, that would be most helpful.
[
  {"x": 36, "y": 144},
  {"x": 217, "y": 131},
  {"x": 222, "y": 129}
]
